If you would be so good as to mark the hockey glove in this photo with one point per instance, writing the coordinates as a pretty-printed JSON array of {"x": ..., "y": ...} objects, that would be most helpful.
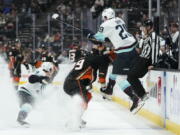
[
  {"x": 40, "y": 79},
  {"x": 94, "y": 41},
  {"x": 88, "y": 33},
  {"x": 90, "y": 36}
]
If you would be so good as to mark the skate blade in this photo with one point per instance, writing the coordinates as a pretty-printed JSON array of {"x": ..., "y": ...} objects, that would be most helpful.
[
  {"x": 146, "y": 98},
  {"x": 135, "y": 111},
  {"x": 25, "y": 125}
]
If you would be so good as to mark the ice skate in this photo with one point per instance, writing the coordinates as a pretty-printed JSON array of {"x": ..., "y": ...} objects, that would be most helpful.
[
  {"x": 138, "y": 104},
  {"x": 23, "y": 123},
  {"x": 83, "y": 124},
  {"x": 21, "y": 119},
  {"x": 135, "y": 101}
]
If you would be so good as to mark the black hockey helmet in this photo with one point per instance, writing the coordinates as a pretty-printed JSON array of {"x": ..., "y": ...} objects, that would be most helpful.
[
  {"x": 148, "y": 22},
  {"x": 174, "y": 24}
]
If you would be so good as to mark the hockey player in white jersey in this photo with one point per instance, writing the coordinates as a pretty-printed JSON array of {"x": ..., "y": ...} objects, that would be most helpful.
[
  {"x": 29, "y": 92},
  {"x": 114, "y": 29}
]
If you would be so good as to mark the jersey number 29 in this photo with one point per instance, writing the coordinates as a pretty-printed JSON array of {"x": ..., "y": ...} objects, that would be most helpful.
[{"x": 121, "y": 33}]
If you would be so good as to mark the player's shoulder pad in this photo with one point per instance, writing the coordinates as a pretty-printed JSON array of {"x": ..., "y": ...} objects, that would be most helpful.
[
  {"x": 105, "y": 24},
  {"x": 119, "y": 19}
]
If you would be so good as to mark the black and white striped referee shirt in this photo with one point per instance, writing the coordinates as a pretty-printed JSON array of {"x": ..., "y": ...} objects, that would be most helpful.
[{"x": 150, "y": 47}]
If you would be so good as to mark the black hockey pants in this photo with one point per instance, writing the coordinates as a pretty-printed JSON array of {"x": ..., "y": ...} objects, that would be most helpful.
[{"x": 137, "y": 70}]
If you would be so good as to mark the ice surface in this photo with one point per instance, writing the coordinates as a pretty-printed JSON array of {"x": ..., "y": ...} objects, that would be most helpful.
[
  {"x": 8, "y": 100},
  {"x": 51, "y": 114}
]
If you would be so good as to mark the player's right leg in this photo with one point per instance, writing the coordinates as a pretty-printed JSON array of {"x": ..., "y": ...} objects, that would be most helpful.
[
  {"x": 125, "y": 86},
  {"x": 121, "y": 67},
  {"x": 139, "y": 69},
  {"x": 26, "y": 101},
  {"x": 80, "y": 100},
  {"x": 135, "y": 100}
]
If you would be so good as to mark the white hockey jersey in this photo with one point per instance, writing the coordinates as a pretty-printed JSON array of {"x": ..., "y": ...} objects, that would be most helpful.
[
  {"x": 34, "y": 89},
  {"x": 26, "y": 70},
  {"x": 115, "y": 29}
]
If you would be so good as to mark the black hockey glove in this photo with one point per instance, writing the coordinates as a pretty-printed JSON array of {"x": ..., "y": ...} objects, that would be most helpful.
[
  {"x": 87, "y": 33},
  {"x": 94, "y": 41},
  {"x": 90, "y": 36},
  {"x": 41, "y": 79}
]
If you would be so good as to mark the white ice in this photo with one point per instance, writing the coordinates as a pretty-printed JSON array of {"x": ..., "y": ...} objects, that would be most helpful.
[{"x": 49, "y": 117}]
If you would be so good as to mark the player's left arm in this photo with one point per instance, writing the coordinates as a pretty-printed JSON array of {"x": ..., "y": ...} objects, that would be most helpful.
[
  {"x": 91, "y": 36},
  {"x": 103, "y": 33},
  {"x": 40, "y": 79},
  {"x": 99, "y": 37}
]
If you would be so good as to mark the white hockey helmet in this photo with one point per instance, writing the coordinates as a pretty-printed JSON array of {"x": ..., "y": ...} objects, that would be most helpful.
[
  {"x": 47, "y": 66},
  {"x": 108, "y": 13}
]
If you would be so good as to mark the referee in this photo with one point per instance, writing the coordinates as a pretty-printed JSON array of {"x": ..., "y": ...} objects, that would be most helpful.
[{"x": 149, "y": 51}]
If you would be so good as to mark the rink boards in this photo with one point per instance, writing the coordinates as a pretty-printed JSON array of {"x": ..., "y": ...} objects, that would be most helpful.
[{"x": 163, "y": 106}]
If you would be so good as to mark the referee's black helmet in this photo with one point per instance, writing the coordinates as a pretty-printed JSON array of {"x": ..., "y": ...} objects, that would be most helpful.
[{"x": 148, "y": 22}]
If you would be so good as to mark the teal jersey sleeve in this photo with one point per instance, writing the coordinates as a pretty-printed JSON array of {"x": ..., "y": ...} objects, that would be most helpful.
[{"x": 99, "y": 36}]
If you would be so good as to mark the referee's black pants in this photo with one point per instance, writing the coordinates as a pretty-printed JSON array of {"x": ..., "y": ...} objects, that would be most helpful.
[{"x": 137, "y": 70}]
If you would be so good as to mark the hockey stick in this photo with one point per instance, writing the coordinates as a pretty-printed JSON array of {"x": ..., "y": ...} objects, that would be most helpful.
[{"x": 56, "y": 17}]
